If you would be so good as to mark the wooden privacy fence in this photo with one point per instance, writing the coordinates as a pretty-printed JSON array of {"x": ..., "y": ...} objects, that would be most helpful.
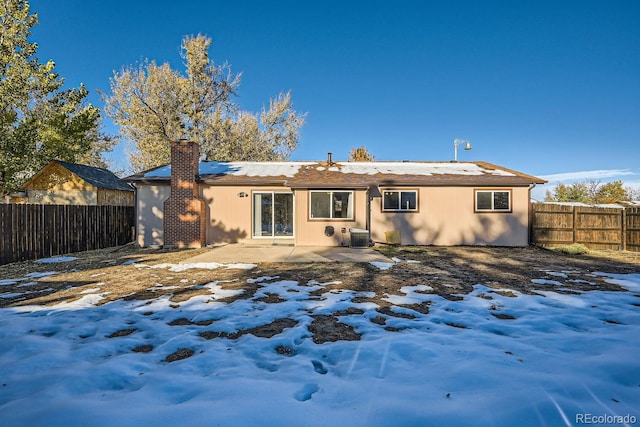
[
  {"x": 595, "y": 227},
  {"x": 39, "y": 231}
]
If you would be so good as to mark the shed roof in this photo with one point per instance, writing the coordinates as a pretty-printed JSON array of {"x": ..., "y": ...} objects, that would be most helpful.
[
  {"x": 348, "y": 174},
  {"x": 98, "y": 177}
]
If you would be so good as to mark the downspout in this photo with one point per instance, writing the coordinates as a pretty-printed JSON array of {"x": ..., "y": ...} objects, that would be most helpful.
[
  {"x": 368, "y": 224},
  {"x": 530, "y": 227},
  {"x": 137, "y": 217}
]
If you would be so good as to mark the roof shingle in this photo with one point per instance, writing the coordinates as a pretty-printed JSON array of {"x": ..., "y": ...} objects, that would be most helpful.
[{"x": 98, "y": 177}]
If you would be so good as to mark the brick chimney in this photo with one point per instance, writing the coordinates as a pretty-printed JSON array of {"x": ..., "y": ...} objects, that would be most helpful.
[{"x": 184, "y": 210}]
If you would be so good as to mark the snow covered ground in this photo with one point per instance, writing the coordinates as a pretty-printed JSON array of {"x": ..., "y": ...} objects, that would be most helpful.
[{"x": 489, "y": 359}]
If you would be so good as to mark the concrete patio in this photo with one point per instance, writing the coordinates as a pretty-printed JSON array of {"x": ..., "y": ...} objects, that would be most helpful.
[{"x": 254, "y": 253}]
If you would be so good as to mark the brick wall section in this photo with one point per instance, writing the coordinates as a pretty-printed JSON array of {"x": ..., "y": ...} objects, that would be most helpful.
[{"x": 184, "y": 210}]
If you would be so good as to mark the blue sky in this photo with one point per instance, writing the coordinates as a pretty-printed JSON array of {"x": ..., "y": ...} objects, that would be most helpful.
[{"x": 547, "y": 87}]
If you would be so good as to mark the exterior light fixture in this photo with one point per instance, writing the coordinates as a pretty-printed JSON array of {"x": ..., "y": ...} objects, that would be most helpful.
[{"x": 457, "y": 142}]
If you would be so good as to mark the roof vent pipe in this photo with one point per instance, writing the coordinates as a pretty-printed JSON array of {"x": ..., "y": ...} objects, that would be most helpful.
[{"x": 329, "y": 160}]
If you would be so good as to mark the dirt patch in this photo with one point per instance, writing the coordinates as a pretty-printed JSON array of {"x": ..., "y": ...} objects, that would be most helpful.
[
  {"x": 271, "y": 298},
  {"x": 503, "y": 316},
  {"x": 146, "y": 348},
  {"x": 122, "y": 333},
  {"x": 184, "y": 322},
  {"x": 351, "y": 311},
  {"x": 391, "y": 312},
  {"x": 379, "y": 320},
  {"x": 264, "y": 331},
  {"x": 180, "y": 354},
  {"x": 330, "y": 329},
  {"x": 422, "y": 307},
  {"x": 456, "y": 325},
  {"x": 274, "y": 328},
  {"x": 284, "y": 350},
  {"x": 209, "y": 335}
]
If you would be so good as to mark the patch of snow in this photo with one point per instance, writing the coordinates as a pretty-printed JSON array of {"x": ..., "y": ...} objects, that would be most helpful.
[
  {"x": 416, "y": 288},
  {"x": 218, "y": 292},
  {"x": 411, "y": 295},
  {"x": 382, "y": 265},
  {"x": 586, "y": 282},
  {"x": 564, "y": 299},
  {"x": 261, "y": 279},
  {"x": 35, "y": 275},
  {"x": 630, "y": 282},
  {"x": 56, "y": 259},
  {"x": 397, "y": 260},
  {"x": 547, "y": 282},
  {"x": 27, "y": 284},
  {"x": 556, "y": 274},
  {"x": 87, "y": 301},
  {"x": 8, "y": 295},
  {"x": 90, "y": 291},
  {"x": 159, "y": 286},
  {"x": 38, "y": 275}
]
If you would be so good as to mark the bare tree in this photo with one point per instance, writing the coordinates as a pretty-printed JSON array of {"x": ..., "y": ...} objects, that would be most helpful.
[
  {"x": 155, "y": 104},
  {"x": 360, "y": 154}
]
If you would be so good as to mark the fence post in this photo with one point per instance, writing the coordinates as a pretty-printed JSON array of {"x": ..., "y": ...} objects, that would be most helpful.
[
  {"x": 575, "y": 224},
  {"x": 624, "y": 229}
]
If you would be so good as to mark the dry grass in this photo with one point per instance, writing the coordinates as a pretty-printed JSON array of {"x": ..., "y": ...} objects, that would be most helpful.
[{"x": 451, "y": 272}]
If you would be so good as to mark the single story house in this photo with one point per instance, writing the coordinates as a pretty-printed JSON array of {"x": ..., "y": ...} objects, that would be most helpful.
[
  {"x": 193, "y": 203},
  {"x": 64, "y": 183}
]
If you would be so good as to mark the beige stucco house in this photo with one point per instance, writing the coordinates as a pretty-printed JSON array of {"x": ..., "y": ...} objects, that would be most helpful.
[{"x": 331, "y": 203}]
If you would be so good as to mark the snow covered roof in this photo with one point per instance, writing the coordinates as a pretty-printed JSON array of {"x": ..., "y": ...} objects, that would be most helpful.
[
  {"x": 414, "y": 168},
  {"x": 248, "y": 169},
  {"x": 343, "y": 174}
]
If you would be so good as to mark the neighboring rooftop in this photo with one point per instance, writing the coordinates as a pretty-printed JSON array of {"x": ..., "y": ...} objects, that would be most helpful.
[{"x": 98, "y": 177}]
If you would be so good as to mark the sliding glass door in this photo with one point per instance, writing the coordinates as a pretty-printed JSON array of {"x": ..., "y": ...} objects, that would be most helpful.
[{"x": 272, "y": 214}]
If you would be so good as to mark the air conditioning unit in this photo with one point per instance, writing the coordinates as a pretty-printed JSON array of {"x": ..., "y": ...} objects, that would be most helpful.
[{"x": 359, "y": 238}]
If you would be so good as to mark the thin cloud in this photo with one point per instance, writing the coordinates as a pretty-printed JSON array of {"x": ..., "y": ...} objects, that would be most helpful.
[{"x": 585, "y": 175}]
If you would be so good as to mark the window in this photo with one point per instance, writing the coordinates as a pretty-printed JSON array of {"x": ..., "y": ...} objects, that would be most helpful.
[
  {"x": 493, "y": 201},
  {"x": 331, "y": 204},
  {"x": 395, "y": 200}
]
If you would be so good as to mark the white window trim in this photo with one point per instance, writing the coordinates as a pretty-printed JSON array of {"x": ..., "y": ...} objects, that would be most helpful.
[
  {"x": 493, "y": 209},
  {"x": 350, "y": 209},
  {"x": 400, "y": 209}
]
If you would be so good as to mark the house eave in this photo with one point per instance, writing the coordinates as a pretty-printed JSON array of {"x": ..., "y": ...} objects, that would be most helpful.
[
  {"x": 242, "y": 182},
  {"x": 150, "y": 181},
  {"x": 321, "y": 186}
]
